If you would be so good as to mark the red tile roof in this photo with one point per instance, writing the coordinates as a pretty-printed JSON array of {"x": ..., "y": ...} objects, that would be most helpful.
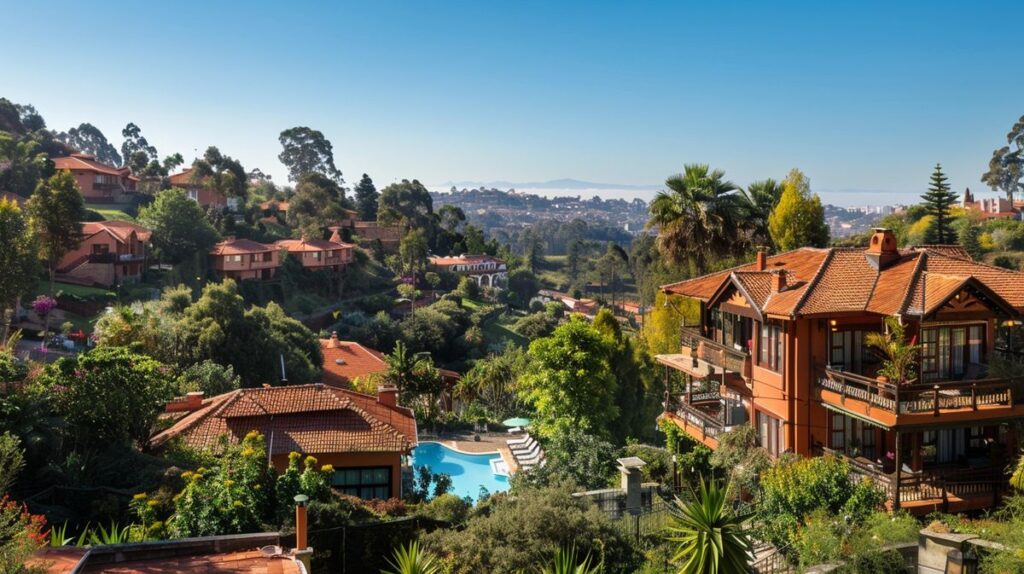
[
  {"x": 81, "y": 161},
  {"x": 349, "y": 361},
  {"x": 183, "y": 178},
  {"x": 119, "y": 229},
  {"x": 233, "y": 246},
  {"x": 471, "y": 259},
  {"x": 311, "y": 419},
  {"x": 76, "y": 560},
  {"x": 838, "y": 280},
  {"x": 309, "y": 245}
]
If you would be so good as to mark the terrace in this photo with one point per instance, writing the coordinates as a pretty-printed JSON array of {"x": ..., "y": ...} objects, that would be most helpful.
[{"x": 891, "y": 405}]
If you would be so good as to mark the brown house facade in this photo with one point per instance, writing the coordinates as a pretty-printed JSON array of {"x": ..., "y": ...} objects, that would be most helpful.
[
  {"x": 364, "y": 437},
  {"x": 98, "y": 182},
  {"x": 244, "y": 259},
  {"x": 332, "y": 254},
  {"x": 111, "y": 252},
  {"x": 197, "y": 192},
  {"x": 781, "y": 345}
]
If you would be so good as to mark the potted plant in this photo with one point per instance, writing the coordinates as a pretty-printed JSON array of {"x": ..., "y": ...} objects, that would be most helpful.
[{"x": 899, "y": 356}]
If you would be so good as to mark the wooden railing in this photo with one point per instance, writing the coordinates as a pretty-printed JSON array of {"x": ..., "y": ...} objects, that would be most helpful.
[
  {"x": 715, "y": 353},
  {"x": 933, "y": 484},
  {"x": 710, "y": 425},
  {"x": 921, "y": 397}
]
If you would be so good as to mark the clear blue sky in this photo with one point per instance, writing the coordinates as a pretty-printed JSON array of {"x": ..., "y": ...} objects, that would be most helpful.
[{"x": 866, "y": 96}]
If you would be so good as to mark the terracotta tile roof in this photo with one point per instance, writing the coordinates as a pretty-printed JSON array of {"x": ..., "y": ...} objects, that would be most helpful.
[
  {"x": 311, "y": 419},
  {"x": 122, "y": 230},
  {"x": 349, "y": 361},
  {"x": 86, "y": 162},
  {"x": 310, "y": 245},
  {"x": 77, "y": 560},
  {"x": 839, "y": 280},
  {"x": 182, "y": 178},
  {"x": 240, "y": 246}
]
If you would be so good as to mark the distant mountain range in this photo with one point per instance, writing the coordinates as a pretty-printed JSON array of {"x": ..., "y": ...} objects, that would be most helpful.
[{"x": 565, "y": 184}]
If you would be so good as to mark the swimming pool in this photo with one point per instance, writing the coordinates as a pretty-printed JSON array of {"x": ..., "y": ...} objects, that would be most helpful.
[{"x": 468, "y": 471}]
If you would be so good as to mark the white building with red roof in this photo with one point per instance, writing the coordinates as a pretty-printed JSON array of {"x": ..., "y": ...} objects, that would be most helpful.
[{"x": 486, "y": 270}]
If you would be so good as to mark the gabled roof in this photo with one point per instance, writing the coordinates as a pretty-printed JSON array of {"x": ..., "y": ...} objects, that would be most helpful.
[
  {"x": 86, "y": 162},
  {"x": 181, "y": 178},
  {"x": 311, "y": 419},
  {"x": 346, "y": 361},
  {"x": 121, "y": 230},
  {"x": 310, "y": 245},
  {"x": 232, "y": 246},
  {"x": 845, "y": 280}
]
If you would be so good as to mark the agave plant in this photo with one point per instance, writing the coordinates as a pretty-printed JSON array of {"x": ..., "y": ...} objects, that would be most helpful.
[
  {"x": 59, "y": 536},
  {"x": 102, "y": 536},
  {"x": 413, "y": 560},
  {"x": 709, "y": 535},
  {"x": 567, "y": 562}
]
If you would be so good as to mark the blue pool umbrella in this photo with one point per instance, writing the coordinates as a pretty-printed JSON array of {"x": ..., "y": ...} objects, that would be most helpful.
[{"x": 516, "y": 422}]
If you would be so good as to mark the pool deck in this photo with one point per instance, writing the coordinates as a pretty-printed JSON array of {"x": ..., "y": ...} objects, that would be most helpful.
[{"x": 489, "y": 442}]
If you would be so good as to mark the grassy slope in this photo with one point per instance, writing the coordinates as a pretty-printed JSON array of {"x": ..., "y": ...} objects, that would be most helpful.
[{"x": 109, "y": 211}]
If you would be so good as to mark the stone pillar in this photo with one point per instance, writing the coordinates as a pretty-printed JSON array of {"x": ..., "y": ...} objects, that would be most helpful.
[{"x": 632, "y": 478}]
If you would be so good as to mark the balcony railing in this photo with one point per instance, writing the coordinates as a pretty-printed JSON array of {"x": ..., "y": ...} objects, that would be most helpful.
[
  {"x": 921, "y": 397},
  {"x": 711, "y": 425},
  {"x": 930, "y": 484},
  {"x": 715, "y": 353}
]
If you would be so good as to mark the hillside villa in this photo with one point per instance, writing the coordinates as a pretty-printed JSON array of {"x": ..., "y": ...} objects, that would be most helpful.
[
  {"x": 98, "y": 182},
  {"x": 364, "y": 437},
  {"x": 199, "y": 192},
  {"x": 333, "y": 254},
  {"x": 992, "y": 207},
  {"x": 111, "y": 252},
  {"x": 486, "y": 270},
  {"x": 780, "y": 344},
  {"x": 242, "y": 259}
]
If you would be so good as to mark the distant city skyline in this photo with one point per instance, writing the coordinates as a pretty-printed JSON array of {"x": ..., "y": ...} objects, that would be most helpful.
[{"x": 864, "y": 98}]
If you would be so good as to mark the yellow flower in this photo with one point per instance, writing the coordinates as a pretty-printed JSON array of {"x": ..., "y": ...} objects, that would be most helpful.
[
  {"x": 248, "y": 451},
  {"x": 327, "y": 468},
  {"x": 229, "y": 483},
  {"x": 237, "y": 504},
  {"x": 142, "y": 495},
  {"x": 152, "y": 503}
]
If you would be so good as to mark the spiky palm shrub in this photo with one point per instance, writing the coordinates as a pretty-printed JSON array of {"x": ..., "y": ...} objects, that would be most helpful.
[
  {"x": 567, "y": 562},
  {"x": 413, "y": 560},
  {"x": 709, "y": 535}
]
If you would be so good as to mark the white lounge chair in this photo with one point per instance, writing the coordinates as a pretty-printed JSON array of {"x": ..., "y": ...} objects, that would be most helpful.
[
  {"x": 525, "y": 447},
  {"x": 532, "y": 461},
  {"x": 513, "y": 442},
  {"x": 526, "y": 456}
]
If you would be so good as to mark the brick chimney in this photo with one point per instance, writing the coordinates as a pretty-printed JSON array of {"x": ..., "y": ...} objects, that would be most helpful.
[
  {"x": 332, "y": 343},
  {"x": 335, "y": 234},
  {"x": 761, "y": 262},
  {"x": 190, "y": 402},
  {"x": 387, "y": 395},
  {"x": 778, "y": 280},
  {"x": 882, "y": 249}
]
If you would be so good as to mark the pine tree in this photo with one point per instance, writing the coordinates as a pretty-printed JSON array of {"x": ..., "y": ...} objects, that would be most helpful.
[
  {"x": 366, "y": 199},
  {"x": 938, "y": 201}
]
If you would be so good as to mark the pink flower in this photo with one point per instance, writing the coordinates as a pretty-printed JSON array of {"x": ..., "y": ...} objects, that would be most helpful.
[{"x": 43, "y": 305}]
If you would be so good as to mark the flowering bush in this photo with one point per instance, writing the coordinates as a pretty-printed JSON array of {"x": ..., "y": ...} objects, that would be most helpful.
[
  {"x": 21, "y": 534},
  {"x": 43, "y": 304}
]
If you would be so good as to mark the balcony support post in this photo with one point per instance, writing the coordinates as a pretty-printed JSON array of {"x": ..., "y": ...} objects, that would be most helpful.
[
  {"x": 899, "y": 467},
  {"x": 935, "y": 399}
]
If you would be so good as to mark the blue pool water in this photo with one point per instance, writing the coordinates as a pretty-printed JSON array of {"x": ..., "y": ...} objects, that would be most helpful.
[{"x": 468, "y": 471}]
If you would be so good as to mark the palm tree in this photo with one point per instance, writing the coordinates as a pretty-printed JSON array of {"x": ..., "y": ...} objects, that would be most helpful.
[
  {"x": 412, "y": 560},
  {"x": 759, "y": 200},
  {"x": 710, "y": 535},
  {"x": 898, "y": 355},
  {"x": 567, "y": 562},
  {"x": 697, "y": 217}
]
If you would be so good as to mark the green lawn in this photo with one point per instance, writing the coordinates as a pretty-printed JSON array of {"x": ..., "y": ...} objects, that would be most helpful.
[
  {"x": 43, "y": 288},
  {"x": 109, "y": 211}
]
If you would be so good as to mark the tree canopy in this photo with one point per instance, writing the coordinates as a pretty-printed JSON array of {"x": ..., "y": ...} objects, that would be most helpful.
[
  {"x": 798, "y": 219},
  {"x": 938, "y": 201},
  {"x": 306, "y": 150},
  {"x": 179, "y": 227},
  {"x": 87, "y": 138},
  {"x": 1006, "y": 168},
  {"x": 366, "y": 196}
]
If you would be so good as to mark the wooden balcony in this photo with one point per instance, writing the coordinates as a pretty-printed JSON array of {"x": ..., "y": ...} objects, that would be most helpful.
[
  {"x": 701, "y": 357},
  {"x": 930, "y": 490},
  {"x": 892, "y": 405}
]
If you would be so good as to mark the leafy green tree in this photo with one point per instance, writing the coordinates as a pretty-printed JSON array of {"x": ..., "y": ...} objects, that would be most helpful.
[
  {"x": 136, "y": 152},
  {"x": 221, "y": 173},
  {"x": 569, "y": 383},
  {"x": 209, "y": 377},
  {"x": 1006, "y": 168},
  {"x": 634, "y": 373},
  {"x": 18, "y": 261},
  {"x": 179, "y": 227},
  {"x": 760, "y": 199},
  {"x": 407, "y": 204},
  {"x": 572, "y": 259},
  {"x": 87, "y": 138},
  {"x": 305, "y": 151},
  {"x": 12, "y": 460},
  {"x": 535, "y": 325},
  {"x": 415, "y": 376},
  {"x": 172, "y": 162},
  {"x": 938, "y": 201},
  {"x": 540, "y": 520},
  {"x": 576, "y": 456},
  {"x": 314, "y": 206},
  {"x": 710, "y": 536},
  {"x": 524, "y": 285},
  {"x": 26, "y": 163},
  {"x": 413, "y": 251},
  {"x": 366, "y": 199},
  {"x": 109, "y": 395},
  {"x": 474, "y": 239},
  {"x": 798, "y": 219},
  {"x": 491, "y": 381},
  {"x": 55, "y": 213}
]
